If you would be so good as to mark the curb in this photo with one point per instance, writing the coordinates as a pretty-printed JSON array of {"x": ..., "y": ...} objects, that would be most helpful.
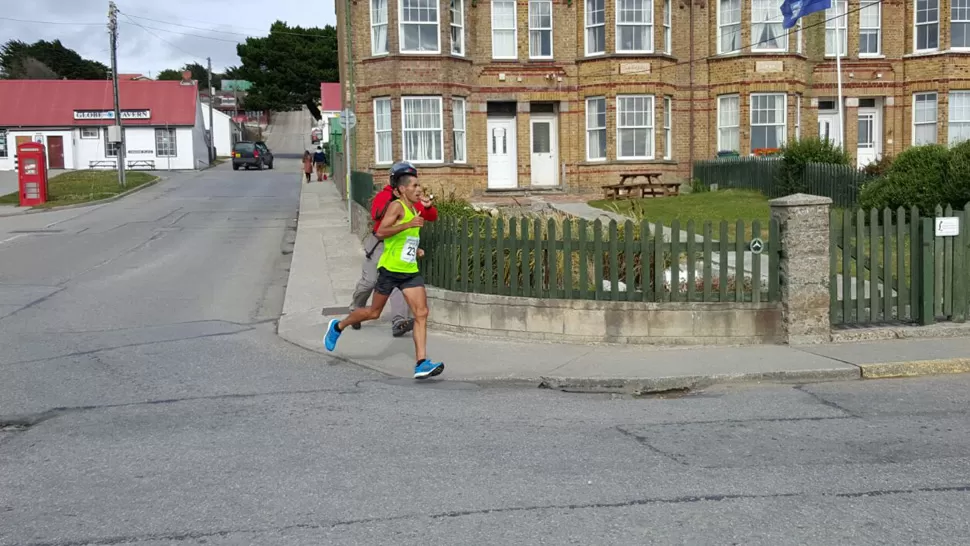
[
  {"x": 659, "y": 385},
  {"x": 148, "y": 184},
  {"x": 620, "y": 385},
  {"x": 915, "y": 368}
]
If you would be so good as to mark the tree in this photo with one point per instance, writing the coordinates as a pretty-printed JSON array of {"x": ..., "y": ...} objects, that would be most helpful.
[
  {"x": 169, "y": 74},
  {"x": 287, "y": 66},
  {"x": 20, "y": 60},
  {"x": 199, "y": 74}
]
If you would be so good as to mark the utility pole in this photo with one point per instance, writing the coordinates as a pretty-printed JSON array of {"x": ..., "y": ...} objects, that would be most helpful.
[
  {"x": 212, "y": 104},
  {"x": 113, "y": 29}
]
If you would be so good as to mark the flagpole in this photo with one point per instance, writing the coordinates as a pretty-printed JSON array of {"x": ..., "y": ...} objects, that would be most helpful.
[{"x": 838, "y": 70}]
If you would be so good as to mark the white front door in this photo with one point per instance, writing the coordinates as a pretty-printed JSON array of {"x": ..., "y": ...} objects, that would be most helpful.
[
  {"x": 869, "y": 147},
  {"x": 502, "y": 166},
  {"x": 545, "y": 150},
  {"x": 828, "y": 127}
]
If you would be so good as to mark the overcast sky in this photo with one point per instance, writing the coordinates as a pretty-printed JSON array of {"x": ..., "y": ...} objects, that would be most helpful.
[{"x": 218, "y": 26}]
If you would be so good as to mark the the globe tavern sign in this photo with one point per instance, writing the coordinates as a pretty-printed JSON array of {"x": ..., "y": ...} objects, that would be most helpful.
[{"x": 110, "y": 114}]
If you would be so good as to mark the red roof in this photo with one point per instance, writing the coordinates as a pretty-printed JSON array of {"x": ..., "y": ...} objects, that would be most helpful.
[
  {"x": 52, "y": 103},
  {"x": 330, "y": 97}
]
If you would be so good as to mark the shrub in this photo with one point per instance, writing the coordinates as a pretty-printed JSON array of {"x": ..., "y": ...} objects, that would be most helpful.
[
  {"x": 799, "y": 153},
  {"x": 956, "y": 189},
  {"x": 917, "y": 177},
  {"x": 698, "y": 186},
  {"x": 879, "y": 167},
  {"x": 454, "y": 206}
]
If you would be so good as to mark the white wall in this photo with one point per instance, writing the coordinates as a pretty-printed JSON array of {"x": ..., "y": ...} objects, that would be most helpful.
[
  {"x": 200, "y": 145},
  {"x": 140, "y": 144},
  {"x": 9, "y": 163},
  {"x": 226, "y": 132},
  {"x": 324, "y": 123}
]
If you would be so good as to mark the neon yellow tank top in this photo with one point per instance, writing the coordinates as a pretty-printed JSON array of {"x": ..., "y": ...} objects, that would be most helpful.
[{"x": 401, "y": 251}]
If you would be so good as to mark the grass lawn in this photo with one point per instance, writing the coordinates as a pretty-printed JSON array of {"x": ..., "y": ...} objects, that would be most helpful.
[
  {"x": 730, "y": 205},
  {"x": 75, "y": 187}
]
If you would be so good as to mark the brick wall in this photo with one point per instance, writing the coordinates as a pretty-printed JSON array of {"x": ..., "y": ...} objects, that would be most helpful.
[{"x": 803, "y": 73}]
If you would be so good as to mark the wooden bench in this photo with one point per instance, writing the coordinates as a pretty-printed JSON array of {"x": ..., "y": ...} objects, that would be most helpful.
[
  {"x": 628, "y": 188},
  {"x": 103, "y": 164},
  {"x": 142, "y": 163}
]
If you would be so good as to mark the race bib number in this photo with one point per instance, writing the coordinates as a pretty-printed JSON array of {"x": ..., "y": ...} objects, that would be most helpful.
[{"x": 409, "y": 253}]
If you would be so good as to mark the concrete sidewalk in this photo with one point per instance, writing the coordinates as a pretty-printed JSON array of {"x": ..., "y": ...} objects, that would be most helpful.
[{"x": 326, "y": 265}]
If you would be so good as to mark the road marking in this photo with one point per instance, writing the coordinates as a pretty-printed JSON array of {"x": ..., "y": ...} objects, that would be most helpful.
[{"x": 8, "y": 239}]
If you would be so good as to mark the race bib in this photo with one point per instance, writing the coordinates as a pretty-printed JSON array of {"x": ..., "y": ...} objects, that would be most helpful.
[{"x": 409, "y": 253}]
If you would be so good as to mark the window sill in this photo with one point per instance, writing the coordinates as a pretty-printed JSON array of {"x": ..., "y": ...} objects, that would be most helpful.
[
  {"x": 425, "y": 166},
  {"x": 627, "y": 162},
  {"x": 406, "y": 56},
  {"x": 625, "y": 56},
  {"x": 928, "y": 53},
  {"x": 747, "y": 54}
]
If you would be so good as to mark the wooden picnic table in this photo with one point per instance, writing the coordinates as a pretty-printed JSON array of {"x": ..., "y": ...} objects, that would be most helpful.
[{"x": 629, "y": 187}]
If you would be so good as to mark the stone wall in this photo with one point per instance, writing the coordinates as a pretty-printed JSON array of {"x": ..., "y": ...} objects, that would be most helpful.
[
  {"x": 360, "y": 221},
  {"x": 586, "y": 321}
]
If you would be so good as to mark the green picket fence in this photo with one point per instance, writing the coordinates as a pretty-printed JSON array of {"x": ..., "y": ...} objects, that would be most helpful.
[
  {"x": 577, "y": 259},
  {"x": 362, "y": 188},
  {"x": 841, "y": 183},
  {"x": 889, "y": 266}
]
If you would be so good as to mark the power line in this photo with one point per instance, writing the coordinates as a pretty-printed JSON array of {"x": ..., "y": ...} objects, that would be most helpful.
[
  {"x": 159, "y": 37},
  {"x": 787, "y": 35},
  {"x": 209, "y": 29},
  {"x": 34, "y": 21},
  {"x": 149, "y": 30},
  {"x": 194, "y": 27}
]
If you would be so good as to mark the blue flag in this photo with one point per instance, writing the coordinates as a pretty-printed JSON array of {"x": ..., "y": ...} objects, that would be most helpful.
[{"x": 793, "y": 10}]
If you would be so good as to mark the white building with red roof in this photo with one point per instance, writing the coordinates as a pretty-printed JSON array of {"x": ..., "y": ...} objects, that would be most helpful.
[
  {"x": 163, "y": 123},
  {"x": 329, "y": 107}
]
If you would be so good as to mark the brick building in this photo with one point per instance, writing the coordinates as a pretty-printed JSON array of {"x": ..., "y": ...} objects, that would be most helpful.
[{"x": 565, "y": 94}]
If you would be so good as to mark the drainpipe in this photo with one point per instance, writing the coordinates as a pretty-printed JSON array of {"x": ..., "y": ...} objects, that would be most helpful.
[
  {"x": 690, "y": 104},
  {"x": 348, "y": 154}
]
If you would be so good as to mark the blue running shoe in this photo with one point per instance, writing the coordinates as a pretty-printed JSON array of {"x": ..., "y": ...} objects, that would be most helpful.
[
  {"x": 330, "y": 340},
  {"x": 428, "y": 369}
]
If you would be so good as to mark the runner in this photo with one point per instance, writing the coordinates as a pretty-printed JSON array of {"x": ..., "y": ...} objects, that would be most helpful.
[
  {"x": 401, "y": 324},
  {"x": 400, "y": 228}
]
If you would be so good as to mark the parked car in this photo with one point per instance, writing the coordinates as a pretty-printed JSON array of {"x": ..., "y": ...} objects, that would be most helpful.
[
  {"x": 316, "y": 135},
  {"x": 247, "y": 153}
]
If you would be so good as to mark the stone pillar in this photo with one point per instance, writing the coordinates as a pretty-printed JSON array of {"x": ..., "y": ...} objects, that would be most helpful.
[{"x": 803, "y": 222}]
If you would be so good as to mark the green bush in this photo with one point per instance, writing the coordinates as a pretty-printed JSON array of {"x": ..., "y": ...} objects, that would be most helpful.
[
  {"x": 879, "y": 167},
  {"x": 917, "y": 177},
  {"x": 798, "y": 153},
  {"x": 454, "y": 206},
  {"x": 698, "y": 186},
  {"x": 956, "y": 190}
]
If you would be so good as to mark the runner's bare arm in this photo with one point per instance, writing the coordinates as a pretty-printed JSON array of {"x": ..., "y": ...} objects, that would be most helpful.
[{"x": 389, "y": 224}]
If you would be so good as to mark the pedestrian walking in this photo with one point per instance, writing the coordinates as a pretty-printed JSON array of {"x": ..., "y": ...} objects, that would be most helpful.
[
  {"x": 320, "y": 162},
  {"x": 401, "y": 323},
  {"x": 400, "y": 229},
  {"x": 307, "y": 165}
]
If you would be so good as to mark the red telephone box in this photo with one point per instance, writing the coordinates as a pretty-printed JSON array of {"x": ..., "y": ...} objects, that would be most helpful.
[{"x": 32, "y": 171}]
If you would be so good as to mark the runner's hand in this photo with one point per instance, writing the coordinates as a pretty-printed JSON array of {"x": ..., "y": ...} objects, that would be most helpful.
[
  {"x": 426, "y": 202},
  {"x": 417, "y": 221},
  {"x": 420, "y": 253}
]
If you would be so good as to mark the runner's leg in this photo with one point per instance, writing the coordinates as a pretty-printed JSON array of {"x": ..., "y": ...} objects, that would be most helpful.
[
  {"x": 399, "y": 314},
  {"x": 367, "y": 313},
  {"x": 368, "y": 274},
  {"x": 417, "y": 299}
]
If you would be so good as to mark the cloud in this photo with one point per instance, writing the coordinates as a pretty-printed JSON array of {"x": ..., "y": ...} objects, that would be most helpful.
[{"x": 152, "y": 38}]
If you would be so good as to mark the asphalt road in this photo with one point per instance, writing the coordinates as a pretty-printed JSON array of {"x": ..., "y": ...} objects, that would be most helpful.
[{"x": 146, "y": 400}]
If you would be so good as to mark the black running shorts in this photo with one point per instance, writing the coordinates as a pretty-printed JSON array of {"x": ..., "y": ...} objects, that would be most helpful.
[{"x": 387, "y": 281}]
